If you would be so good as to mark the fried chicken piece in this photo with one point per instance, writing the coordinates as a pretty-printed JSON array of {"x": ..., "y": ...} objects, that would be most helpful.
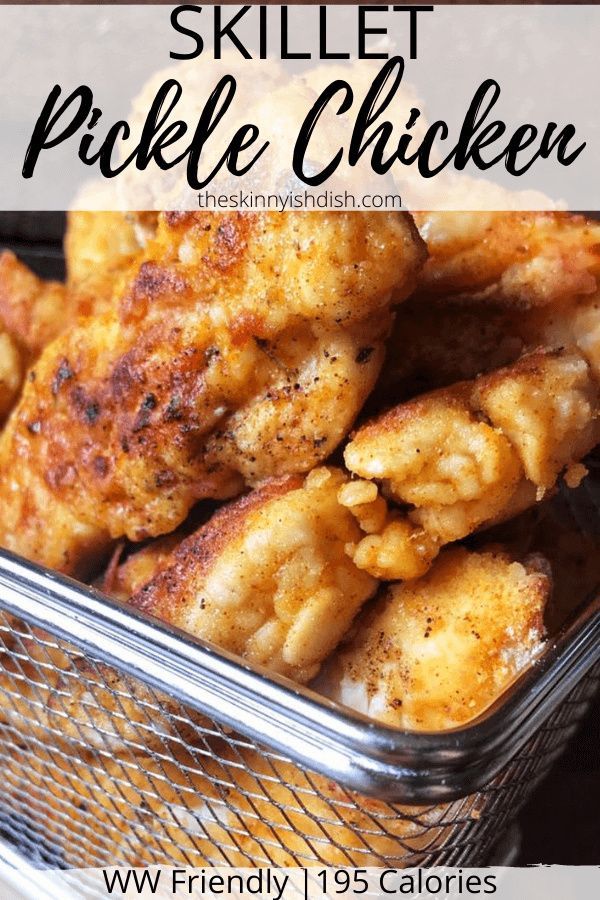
[
  {"x": 132, "y": 416},
  {"x": 547, "y": 405},
  {"x": 138, "y": 807},
  {"x": 516, "y": 258},
  {"x": 268, "y": 577},
  {"x": 234, "y": 807},
  {"x": 101, "y": 249},
  {"x": 31, "y": 310},
  {"x": 34, "y": 311},
  {"x": 298, "y": 818},
  {"x": 129, "y": 577},
  {"x": 11, "y": 373},
  {"x": 478, "y": 452},
  {"x": 98, "y": 248},
  {"x": 98, "y": 244},
  {"x": 435, "y": 653}
]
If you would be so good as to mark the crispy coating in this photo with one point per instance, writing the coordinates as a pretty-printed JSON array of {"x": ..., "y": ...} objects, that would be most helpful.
[
  {"x": 99, "y": 248},
  {"x": 522, "y": 259},
  {"x": 268, "y": 577},
  {"x": 126, "y": 579},
  {"x": 98, "y": 244},
  {"x": 11, "y": 373},
  {"x": 130, "y": 417},
  {"x": 434, "y": 653},
  {"x": 31, "y": 309},
  {"x": 547, "y": 407},
  {"x": 35, "y": 311},
  {"x": 478, "y": 452}
]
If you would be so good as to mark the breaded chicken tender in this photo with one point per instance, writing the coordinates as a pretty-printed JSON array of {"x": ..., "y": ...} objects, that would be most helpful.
[
  {"x": 478, "y": 452},
  {"x": 32, "y": 310},
  {"x": 434, "y": 653},
  {"x": 268, "y": 577},
  {"x": 516, "y": 258},
  {"x": 132, "y": 416}
]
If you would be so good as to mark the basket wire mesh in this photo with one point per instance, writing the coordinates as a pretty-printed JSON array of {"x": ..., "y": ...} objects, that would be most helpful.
[
  {"x": 101, "y": 769},
  {"x": 98, "y": 768}
]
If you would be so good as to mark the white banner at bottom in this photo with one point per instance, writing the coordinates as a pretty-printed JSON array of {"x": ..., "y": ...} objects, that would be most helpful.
[{"x": 533, "y": 883}]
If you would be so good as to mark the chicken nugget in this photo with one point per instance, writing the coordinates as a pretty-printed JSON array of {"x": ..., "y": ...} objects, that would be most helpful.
[
  {"x": 476, "y": 453},
  {"x": 268, "y": 577},
  {"x": 134, "y": 415},
  {"x": 519, "y": 259},
  {"x": 436, "y": 652}
]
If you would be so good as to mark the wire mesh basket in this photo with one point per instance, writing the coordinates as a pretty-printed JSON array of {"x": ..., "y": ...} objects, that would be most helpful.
[
  {"x": 124, "y": 742},
  {"x": 94, "y": 777}
]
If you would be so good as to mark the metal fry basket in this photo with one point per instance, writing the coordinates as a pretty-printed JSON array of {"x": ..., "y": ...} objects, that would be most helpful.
[{"x": 124, "y": 742}]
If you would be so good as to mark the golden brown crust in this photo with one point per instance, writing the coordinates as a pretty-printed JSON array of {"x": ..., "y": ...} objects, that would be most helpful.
[
  {"x": 516, "y": 258},
  {"x": 476, "y": 453},
  {"x": 31, "y": 309},
  {"x": 12, "y": 370},
  {"x": 100, "y": 244},
  {"x": 200, "y": 551},
  {"x": 434, "y": 653},
  {"x": 130, "y": 417},
  {"x": 268, "y": 576}
]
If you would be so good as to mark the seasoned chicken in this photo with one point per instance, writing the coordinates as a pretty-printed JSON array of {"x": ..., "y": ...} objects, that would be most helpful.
[
  {"x": 99, "y": 245},
  {"x": 472, "y": 454},
  {"x": 11, "y": 373},
  {"x": 268, "y": 577},
  {"x": 99, "y": 248},
  {"x": 32, "y": 310},
  {"x": 242, "y": 347},
  {"x": 235, "y": 807},
  {"x": 519, "y": 259},
  {"x": 144, "y": 809},
  {"x": 123, "y": 580},
  {"x": 434, "y": 653}
]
